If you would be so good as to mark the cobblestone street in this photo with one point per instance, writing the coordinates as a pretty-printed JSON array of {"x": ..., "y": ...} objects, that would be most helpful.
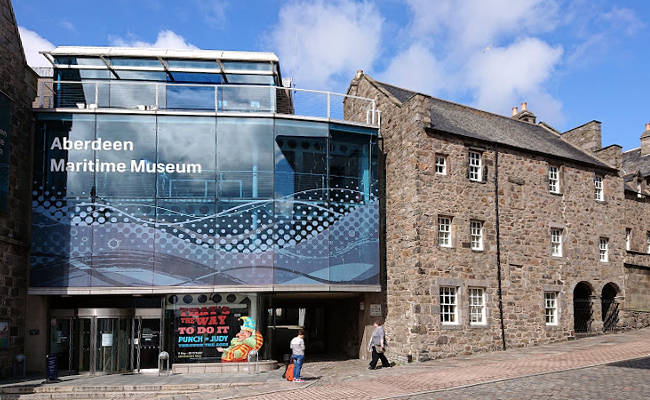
[
  {"x": 623, "y": 380},
  {"x": 613, "y": 366}
]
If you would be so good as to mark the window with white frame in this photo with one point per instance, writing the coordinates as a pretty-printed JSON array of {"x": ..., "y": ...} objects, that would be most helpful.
[
  {"x": 476, "y": 235},
  {"x": 444, "y": 231},
  {"x": 477, "y": 306},
  {"x": 475, "y": 166},
  {"x": 598, "y": 188},
  {"x": 628, "y": 239},
  {"x": 550, "y": 307},
  {"x": 449, "y": 305},
  {"x": 604, "y": 249},
  {"x": 553, "y": 179},
  {"x": 556, "y": 242},
  {"x": 647, "y": 242},
  {"x": 441, "y": 164}
]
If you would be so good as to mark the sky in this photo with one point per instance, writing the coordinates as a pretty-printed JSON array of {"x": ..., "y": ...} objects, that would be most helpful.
[{"x": 571, "y": 61}]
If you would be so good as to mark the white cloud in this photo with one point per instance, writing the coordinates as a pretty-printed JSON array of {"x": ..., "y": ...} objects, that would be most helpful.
[
  {"x": 479, "y": 23},
  {"x": 213, "y": 11},
  {"x": 322, "y": 41},
  {"x": 503, "y": 76},
  {"x": 415, "y": 68},
  {"x": 166, "y": 39},
  {"x": 32, "y": 44}
]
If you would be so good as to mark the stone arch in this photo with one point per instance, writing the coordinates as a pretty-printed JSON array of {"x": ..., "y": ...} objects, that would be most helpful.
[
  {"x": 582, "y": 307},
  {"x": 610, "y": 305}
]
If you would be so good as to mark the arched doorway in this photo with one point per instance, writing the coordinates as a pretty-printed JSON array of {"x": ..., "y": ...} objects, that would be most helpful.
[
  {"x": 610, "y": 306},
  {"x": 582, "y": 307}
]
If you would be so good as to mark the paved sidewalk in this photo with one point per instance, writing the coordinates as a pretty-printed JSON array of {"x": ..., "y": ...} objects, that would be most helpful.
[{"x": 338, "y": 380}]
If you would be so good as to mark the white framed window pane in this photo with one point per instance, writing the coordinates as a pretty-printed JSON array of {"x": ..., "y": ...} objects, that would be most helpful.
[
  {"x": 441, "y": 165},
  {"x": 628, "y": 238},
  {"x": 604, "y": 249},
  {"x": 448, "y": 305},
  {"x": 553, "y": 180},
  {"x": 444, "y": 231},
  {"x": 475, "y": 173},
  {"x": 476, "y": 235},
  {"x": 556, "y": 242},
  {"x": 477, "y": 306},
  {"x": 598, "y": 188},
  {"x": 550, "y": 308}
]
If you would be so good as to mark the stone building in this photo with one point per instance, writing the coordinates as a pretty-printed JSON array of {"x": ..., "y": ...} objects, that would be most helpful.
[
  {"x": 636, "y": 173},
  {"x": 499, "y": 231},
  {"x": 17, "y": 90}
]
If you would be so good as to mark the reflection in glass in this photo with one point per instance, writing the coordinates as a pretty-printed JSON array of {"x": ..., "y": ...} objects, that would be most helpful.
[
  {"x": 245, "y": 163},
  {"x": 135, "y": 182},
  {"x": 187, "y": 140},
  {"x": 246, "y": 99}
]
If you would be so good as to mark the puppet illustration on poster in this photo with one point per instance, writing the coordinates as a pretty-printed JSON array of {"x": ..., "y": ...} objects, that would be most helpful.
[{"x": 243, "y": 343}]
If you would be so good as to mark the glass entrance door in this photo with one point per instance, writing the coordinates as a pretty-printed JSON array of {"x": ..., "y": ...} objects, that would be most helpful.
[
  {"x": 147, "y": 343},
  {"x": 112, "y": 350}
]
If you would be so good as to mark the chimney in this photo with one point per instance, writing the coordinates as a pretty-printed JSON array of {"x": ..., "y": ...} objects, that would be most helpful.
[
  {"x": 645, "y": 141},
  {"x": 523, "y": 114},
  {"x": 359, "y": 74}
]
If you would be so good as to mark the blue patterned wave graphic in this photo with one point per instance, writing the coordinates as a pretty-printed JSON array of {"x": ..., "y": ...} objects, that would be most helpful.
[{"x": 293, "y": 240}]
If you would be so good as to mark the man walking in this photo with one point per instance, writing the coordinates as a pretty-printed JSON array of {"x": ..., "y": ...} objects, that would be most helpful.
[
  {"x": 298, "y": 354},
  {"x": 377, "y": 346}
]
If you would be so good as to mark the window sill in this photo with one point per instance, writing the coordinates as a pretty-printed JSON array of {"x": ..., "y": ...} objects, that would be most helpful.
[
  {"x": 445, "y": 247},
  {"x": 553, "y": 327},
  {"x": 450, "y": 326},
  {"x": 478, "y": 326},
  {"x": 600, "y": 201},
  {"x": 556, "y": 193},
  {"x": 477, "y": 250}
]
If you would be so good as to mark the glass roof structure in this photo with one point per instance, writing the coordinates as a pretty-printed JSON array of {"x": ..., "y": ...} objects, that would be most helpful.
[{"x": 194, "y": 66}]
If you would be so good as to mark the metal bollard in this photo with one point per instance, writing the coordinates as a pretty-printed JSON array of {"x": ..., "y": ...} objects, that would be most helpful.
[
  {"x": 163, "y": 356},
  {"x": 20, "y": 363},
  {"x": 252, "y": 354}
]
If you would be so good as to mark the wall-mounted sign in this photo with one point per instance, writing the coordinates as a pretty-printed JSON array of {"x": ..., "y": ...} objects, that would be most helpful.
[
  {"x": 375, "y": 310},
  {"x": 107, "y": 339}
]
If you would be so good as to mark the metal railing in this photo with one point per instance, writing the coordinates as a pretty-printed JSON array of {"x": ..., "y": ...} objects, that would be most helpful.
[{"x": 96, "y": 94}]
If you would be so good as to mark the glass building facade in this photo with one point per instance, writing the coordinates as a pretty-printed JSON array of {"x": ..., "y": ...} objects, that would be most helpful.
[
  {"x": 165, "y": 200},
  {"x": 178, "y": 196}
]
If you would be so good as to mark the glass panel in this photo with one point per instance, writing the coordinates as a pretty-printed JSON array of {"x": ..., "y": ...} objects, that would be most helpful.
[
  {"x": 142, "y": 75},
  {"x": 149, "y": 340},
  {"x": 189, "y": 143},
  {"x": 251, "y": 79},
  {"x": 78, "y": 74},
  {"x": 246, "y": 99},
  {"x": 246, "y": 65},
  {"x": 131, "y": 95},
  {"x": 185, "y": 242},
  {"x": 195, "y": 77},
  {"x": 354, "y": 233},
  {"x": 73, "y": 60},
  {"x": 208, "y": 64},
  {"x": 106, "y": 345},
  {"x": 84, "y": 344},
  {"x": 132, "y": 146},
  {"x": 189, "y": 97},
  {"x": 123, "y": 242},
  {"x": 135, "y": 62},
  {"x": 245, "y": 159},
  {"x": 60, "y": 338}
]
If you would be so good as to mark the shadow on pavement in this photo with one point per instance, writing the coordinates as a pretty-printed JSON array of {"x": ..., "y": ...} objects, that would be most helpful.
[{"x": 639, "y": 363}]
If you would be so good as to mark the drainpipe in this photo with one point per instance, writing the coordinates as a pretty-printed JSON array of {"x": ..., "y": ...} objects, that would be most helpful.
[{"x": 496, "y": 207}]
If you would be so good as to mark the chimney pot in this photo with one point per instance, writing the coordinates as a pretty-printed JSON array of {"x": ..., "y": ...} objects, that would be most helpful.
[
  {"x": 524, "y": 106},
  {"x": 359, "y": 73},
  {"x": 647, "y": 126},
  {"x": 514, "y": 111}
]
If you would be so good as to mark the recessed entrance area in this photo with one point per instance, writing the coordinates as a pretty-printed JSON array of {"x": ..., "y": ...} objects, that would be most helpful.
[
  {"x": 105, "y": 340},
  {"x": 609, "y": 306},
  {"x": 582, "y": 312}
]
